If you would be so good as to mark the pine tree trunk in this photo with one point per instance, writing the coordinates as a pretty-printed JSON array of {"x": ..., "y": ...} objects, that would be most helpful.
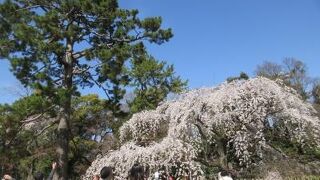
[
  {"x": 63, "y": 147},
  {"x": 64, "y": 124}
]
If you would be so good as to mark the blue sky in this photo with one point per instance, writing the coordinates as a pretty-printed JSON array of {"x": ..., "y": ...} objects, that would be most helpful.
[{"x": 215, "y": 39}]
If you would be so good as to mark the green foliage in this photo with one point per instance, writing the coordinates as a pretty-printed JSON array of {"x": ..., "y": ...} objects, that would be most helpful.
[
  {"x": 242, "y": 76},
  {"x": 38, "y": 33},
  {"x": 30, "y": 153},
  {"x": 19, "y": 147},
  {"x": 90, "y": 112},
  {"x": 152, "y": 81},
  {"x": 87, "y": 111},
  {"x": 80, "y": 148},
  {"x": 293, "y": 149},
  {"x": 40, "y": 162},
  {"x": 56, "y": 46}
]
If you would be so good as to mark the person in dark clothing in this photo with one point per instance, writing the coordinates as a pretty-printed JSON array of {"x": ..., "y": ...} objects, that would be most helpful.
[
  {"x": 136, "y": 172},
  {"x": 106, "y": 173},
  {"x": 39, "y": 176}
]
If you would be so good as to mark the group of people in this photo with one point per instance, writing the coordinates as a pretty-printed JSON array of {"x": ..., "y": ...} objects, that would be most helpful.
[
  {"x": 36, "y": 176},
  {"x": 106, "y": 173},
  {"x": 137, "y": 172}
]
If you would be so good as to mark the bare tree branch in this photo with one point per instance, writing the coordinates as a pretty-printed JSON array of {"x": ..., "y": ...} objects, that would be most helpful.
[
  {"x": 47, "y": 127},
  {"x": 28, "y": 120},
  {"x": 28, "y": 7},
  {"x": 100, "y": 86},
  {"x": 31, "y": 119}
]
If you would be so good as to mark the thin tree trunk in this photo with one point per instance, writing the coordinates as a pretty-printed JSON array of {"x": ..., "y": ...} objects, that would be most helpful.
[{"x": 222, "y": 152}]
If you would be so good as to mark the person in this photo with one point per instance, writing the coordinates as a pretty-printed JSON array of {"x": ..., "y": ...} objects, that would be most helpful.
[
  {"x": 105, "y": 174},
  {"x": 224, "y": 176},
  {"x": 95, "y": 177},
  {"x": 7, "y": 177},
  {"x": 156, "y": 175},
  {"x": 53, "y": 170},
  {"x": 136, "y": 172},
  {"x": 40, "y": 175}
]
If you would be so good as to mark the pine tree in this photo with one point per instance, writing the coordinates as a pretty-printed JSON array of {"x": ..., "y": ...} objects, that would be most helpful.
[
  {"x": 57, "y": 46},
  {"x": 152, "y": 81}
]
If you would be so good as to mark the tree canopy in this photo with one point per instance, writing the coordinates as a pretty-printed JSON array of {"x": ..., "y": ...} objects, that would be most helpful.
[
  {"x": 55, "y": 47},
  {"x": 152, "y": 82},
  {"x": 292, "y": 71}
]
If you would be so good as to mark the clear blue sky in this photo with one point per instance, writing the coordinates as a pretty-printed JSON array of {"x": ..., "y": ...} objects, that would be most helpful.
[{"x": 215, "y": 39}]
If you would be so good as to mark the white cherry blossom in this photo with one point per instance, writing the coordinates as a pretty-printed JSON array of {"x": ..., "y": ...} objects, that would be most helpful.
[{"x": 239, "y": 111}]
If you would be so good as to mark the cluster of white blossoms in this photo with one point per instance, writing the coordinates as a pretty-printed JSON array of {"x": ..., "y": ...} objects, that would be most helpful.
[
  {"x": 238, "y": 112},
  {"x": 144, "y": 131}
]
